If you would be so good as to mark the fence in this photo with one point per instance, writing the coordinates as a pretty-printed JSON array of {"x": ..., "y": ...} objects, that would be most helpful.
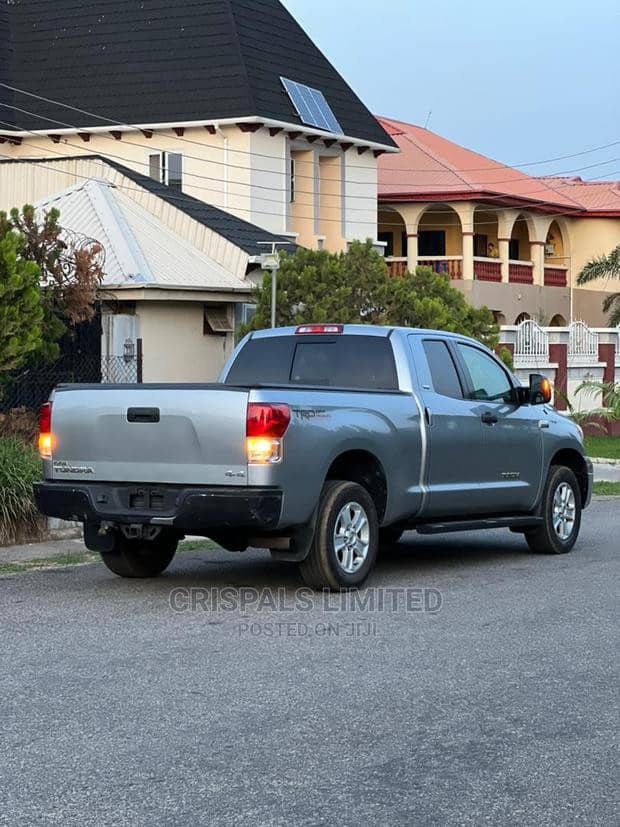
[
  {"x": 582, "y": 343},
  {"x": 532, "y": 343},
  {"x": 30, "y": 388}
]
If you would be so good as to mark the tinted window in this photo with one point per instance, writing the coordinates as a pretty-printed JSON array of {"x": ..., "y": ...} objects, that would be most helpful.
[
  {"x": 443, "y": 371},
  {"x": 265, "y": 361},
  {"x": 339, "y": 362},
  {"x": 488, "y": 379}
]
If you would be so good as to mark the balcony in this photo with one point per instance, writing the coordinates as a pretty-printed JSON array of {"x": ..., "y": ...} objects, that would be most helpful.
[
  {"x": 487, "y": 269},
  {"x": 447, "y": 265},
  {"x": 520, "y": 272},
  {"x": 397, "y": 266},
  {"x": 556, "y": 276}
]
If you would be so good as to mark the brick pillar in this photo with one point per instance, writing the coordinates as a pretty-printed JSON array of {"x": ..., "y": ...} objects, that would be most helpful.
[
  {"x": 607, "y": 354},
  {"x": 559, "y": 354}
]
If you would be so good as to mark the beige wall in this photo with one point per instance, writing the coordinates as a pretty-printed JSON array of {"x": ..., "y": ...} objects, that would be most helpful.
[
  {"x": 591, "y": 237},
  {"x": 245, "y": 173},
  {"x": 174, "y": 346}
]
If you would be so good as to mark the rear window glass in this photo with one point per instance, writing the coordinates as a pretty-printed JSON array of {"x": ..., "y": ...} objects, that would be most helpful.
[{"x": 355, "y": 362}]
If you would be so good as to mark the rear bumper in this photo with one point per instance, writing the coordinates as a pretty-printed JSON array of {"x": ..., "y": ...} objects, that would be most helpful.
[{"x": 195, "y": 510}]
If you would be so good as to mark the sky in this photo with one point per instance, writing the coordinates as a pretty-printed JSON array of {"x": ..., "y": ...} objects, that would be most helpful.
[{"x": 517, "y": 81}]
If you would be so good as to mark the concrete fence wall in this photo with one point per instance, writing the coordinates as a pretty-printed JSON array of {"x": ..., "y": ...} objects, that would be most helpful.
[{"x": 567, "y": 355}]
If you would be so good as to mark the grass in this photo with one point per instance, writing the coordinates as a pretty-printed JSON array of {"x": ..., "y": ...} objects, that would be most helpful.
[
  {"x": 80, "y": 558},
  {"x": 603, "y": 446},
  {"x": 607, "y": 488},
  {"x": 20, "y": 466}
]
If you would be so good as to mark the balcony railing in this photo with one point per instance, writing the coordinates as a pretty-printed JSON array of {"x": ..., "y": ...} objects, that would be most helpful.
[
  {"x": 520, "y": 272},
  {"x": 487, "y": 269},
  {"x": 396, "y": 266},
  {"x": 448, "y": 265},
  {"x": 555, "y": 276}
]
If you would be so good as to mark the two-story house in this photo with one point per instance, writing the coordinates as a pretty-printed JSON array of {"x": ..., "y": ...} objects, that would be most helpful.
[
  {"x": 182, "y": 135},
  {"x": 511, "y": 241}
]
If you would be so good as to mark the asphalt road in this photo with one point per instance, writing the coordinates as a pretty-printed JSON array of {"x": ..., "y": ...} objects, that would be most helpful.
[{"x": 500, "y": 708}]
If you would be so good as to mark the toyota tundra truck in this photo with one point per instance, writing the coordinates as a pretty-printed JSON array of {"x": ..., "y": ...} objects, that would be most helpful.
[{"x": 320, "y": 443}]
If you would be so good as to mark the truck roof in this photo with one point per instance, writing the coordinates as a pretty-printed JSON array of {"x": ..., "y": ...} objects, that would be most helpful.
[{"x": 365, "y": 330}]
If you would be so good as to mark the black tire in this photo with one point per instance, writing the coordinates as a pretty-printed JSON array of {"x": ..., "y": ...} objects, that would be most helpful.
[
  {"x": 325, "y": 567},
  {"x": 141, "y": 558},
  {"x": 545, "y": 539},
  {"x": 390, "y": 536}
]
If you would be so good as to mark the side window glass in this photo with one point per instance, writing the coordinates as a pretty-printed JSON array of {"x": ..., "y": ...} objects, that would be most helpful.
[
  {"x": 444, "y": 377},
  {"x": 489, "y": 381}
]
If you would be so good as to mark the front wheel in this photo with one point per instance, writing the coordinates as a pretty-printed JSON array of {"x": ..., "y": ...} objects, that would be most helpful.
[
  {"x": 561, "y": 513},
  {"x": 346, "y": 540},
  {"x": 141, "y": 558}
]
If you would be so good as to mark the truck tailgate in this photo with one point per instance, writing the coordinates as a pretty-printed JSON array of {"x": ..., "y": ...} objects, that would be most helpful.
[{"x": 189, "y": 435}]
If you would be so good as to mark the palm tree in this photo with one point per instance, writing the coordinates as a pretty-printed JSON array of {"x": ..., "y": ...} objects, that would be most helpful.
[{"x": 600, "y": 268}]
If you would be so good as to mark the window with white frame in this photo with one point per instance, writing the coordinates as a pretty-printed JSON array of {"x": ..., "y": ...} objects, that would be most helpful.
[{"x": 167, "y": 168}]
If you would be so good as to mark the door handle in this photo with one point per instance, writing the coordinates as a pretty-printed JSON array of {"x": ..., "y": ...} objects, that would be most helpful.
[
  {"x": 542, "y": 424},
  {"x": 489, "y": 418}
]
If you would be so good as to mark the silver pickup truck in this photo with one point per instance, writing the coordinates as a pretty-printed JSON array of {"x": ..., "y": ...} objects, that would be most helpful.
[{"x": 320, "y": 443}]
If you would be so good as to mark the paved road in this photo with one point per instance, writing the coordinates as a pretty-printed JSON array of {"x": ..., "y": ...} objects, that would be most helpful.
[{"x": 501, "y": 708}]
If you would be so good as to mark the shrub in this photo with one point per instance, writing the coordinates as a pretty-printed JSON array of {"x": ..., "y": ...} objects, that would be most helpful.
[
  {"x": 21, "y": 424},
  {"x": 19, "y": 468}
]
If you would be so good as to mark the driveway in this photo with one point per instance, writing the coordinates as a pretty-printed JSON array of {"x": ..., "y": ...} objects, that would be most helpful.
[{"x": 478, "y": 685}]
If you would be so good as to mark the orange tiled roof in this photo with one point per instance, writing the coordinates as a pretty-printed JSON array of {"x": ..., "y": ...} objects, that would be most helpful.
[
  {"x": 430, "y": 167},
  {"x": 600, "y": 197}
]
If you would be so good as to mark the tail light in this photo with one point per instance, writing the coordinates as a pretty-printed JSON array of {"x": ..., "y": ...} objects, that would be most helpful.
[
  {"x": 266, "y": 425},
  {"x": 46, "y": 438}
]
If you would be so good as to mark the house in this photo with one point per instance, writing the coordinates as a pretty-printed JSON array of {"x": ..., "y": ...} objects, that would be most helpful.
[
  {"x": 513, "y": 242},
  {"x": 220, "y": 119}
]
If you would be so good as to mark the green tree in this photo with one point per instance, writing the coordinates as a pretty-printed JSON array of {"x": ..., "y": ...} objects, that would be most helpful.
[
  {"x": 71, "y": 271},
  {"x": 600, "y": 268},
  {"x": 21, "y": 312},
  {"x": 354, "y": 287}
]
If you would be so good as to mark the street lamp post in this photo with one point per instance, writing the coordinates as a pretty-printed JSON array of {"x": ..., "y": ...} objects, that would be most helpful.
[{"x": 271, "y": 261}]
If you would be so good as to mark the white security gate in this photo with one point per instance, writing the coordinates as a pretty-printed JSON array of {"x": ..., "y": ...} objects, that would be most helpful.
[
  {"x": 582, "y": 344},
  {"x": 532, "y": 344}
]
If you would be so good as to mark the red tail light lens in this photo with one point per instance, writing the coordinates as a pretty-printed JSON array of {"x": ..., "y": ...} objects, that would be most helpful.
[
  {"x": 268, "y": 420},
  {"x": 45, "y": 431}
]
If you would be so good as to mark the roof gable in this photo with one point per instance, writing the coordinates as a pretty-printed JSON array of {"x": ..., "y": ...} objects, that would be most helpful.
[{"x": 165, "y": 61}]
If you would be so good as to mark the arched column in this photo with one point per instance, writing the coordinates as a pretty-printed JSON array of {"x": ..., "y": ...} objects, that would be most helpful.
[{"x": 465, "y": 211}]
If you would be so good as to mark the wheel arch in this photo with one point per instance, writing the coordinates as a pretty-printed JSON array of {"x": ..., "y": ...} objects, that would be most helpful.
[
  {"x": 364, "y": 468},
  {"x": 572, "y": 459}
]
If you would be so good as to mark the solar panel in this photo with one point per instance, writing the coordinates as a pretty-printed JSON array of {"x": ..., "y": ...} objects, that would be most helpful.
[{"x": 311, "y": 106}]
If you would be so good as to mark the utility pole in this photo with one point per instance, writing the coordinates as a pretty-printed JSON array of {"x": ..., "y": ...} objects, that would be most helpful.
[{"x": 271, "y": 261}]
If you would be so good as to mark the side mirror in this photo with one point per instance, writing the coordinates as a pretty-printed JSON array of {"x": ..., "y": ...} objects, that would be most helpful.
[{"x": 540, "y": 389}]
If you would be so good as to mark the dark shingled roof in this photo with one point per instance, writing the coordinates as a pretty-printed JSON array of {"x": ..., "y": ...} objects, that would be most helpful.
[
  {"x": 164, "y": 61},
  {"x": 239, "y": 232}
]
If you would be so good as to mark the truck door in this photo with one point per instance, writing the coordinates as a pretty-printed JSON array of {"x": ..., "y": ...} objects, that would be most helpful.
[
  {"x": 509, "y": 467},
  {"x": 454, "y": 431}
]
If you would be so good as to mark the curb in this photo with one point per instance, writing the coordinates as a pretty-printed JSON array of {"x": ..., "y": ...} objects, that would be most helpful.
[{"x": 604, "y": 461}]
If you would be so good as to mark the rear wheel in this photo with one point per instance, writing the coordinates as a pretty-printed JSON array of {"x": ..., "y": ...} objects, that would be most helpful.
[
  {"x": 346, "y": 540},
  {"x": 141, "y": 558},
  {"x": 561, "y": 513}
]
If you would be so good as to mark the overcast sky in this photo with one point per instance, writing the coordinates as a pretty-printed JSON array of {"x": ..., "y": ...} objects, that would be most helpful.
[{"x": 517, "y": 81}]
